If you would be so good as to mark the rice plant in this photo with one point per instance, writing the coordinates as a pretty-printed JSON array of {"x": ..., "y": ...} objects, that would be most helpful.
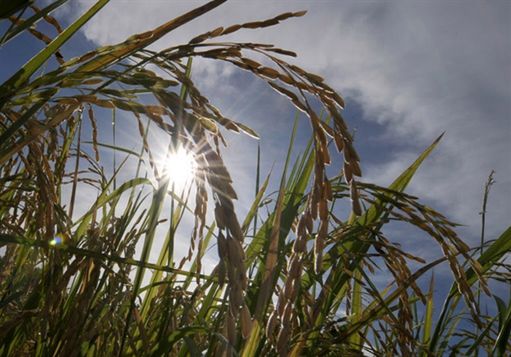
[{"x": 295, "y": 278}]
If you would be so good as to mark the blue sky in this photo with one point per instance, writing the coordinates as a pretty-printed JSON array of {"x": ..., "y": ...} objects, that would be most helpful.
[{"x": 408, "y": 71}]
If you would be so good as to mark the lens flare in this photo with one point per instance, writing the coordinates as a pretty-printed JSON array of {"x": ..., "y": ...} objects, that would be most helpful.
[
  {"x": 58, "y": 241},
  {"x": 180, "y": 168}
]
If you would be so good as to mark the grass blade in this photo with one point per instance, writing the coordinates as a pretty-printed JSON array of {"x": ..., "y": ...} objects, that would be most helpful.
[{"x": 15, "y": 82}]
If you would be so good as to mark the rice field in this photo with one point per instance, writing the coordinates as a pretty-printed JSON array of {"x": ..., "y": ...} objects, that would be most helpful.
[{"x": 291, "y": 277}]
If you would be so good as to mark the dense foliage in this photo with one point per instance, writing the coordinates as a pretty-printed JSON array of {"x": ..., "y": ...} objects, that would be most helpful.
[{"x": 298, "y": 283}]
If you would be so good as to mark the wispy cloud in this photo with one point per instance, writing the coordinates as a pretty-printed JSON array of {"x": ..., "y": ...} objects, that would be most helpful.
[{"x": 417, "y": 69}]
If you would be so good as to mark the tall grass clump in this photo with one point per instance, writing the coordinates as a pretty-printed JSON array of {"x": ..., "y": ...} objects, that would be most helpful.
[{"x": 294, "y": 280}]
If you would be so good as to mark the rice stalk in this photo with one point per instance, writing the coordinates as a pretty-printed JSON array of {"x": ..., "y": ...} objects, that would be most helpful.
[{"x": 302, "y": 282}]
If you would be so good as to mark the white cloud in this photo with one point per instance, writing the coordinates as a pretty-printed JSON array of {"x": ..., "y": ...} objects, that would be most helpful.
[{"x": 419, "y": 68}]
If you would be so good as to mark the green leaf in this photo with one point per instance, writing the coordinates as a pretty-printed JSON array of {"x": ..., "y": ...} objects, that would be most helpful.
[
  {"x": 428, "y": 315},
  {"x": 15, "y": 82},
  {"x": 31, "y": 21},
  {"x": 164, "y": 347},
  {"x": 102, "y": 200},
  {"x": 330, "y": 299},
  {"x": 9, "y": 132},
  {"x": 487, "y": 260},
  {"x": 117, "y": 148},
  {"x": 502, "y": 341},
  {"x": 139, "y": 41}
]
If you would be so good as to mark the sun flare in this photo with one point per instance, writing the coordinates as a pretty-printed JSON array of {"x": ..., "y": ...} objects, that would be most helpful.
[{"x": 180, "y": 168}]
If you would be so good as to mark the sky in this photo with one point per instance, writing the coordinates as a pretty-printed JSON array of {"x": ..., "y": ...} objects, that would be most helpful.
[{"x": 408, "y": 71}]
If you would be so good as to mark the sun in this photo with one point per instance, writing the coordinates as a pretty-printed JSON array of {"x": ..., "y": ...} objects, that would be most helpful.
[{"x": 179, "y": 168}]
